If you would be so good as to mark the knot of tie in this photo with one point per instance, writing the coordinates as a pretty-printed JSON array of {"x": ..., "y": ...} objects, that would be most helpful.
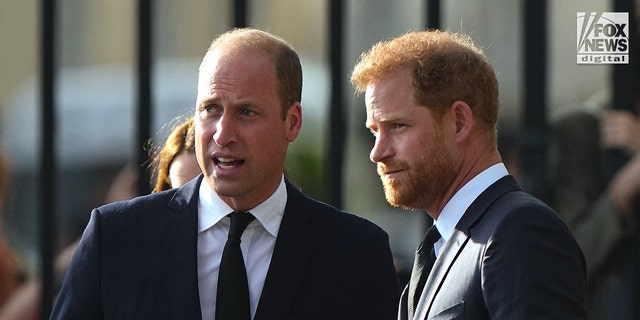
[
  {"x": 239, "y": 222},
  {"x": 432, "y": 236}
]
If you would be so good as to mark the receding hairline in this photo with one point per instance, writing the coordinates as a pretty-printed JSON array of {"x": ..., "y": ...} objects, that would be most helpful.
[
  {"x": 282, "y": 55},
  {"x": 256, "y": 40}
]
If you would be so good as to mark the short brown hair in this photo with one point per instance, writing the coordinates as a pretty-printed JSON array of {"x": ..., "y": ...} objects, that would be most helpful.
[
  {"x": 284, "y": 57},
  {"x": 446, "y": 68}
]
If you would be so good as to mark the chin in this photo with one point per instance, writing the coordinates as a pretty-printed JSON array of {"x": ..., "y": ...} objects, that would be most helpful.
[{"x": 401, "y": 198}]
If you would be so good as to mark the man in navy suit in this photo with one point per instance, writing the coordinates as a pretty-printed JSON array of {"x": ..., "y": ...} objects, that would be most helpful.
[
  {"x": 496, "y": 252},
  {"x": 158, "y": 256}
]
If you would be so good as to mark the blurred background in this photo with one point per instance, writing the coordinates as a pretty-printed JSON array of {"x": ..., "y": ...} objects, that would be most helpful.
[{"x": 96, "y": 93}]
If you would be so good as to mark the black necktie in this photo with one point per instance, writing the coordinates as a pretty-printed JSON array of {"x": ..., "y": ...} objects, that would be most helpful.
[
  {"x": 232, "y": 302},
  {"x": 424, "y": 260}
]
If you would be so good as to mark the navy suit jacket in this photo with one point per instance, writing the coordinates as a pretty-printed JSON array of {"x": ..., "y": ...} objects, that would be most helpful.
[
  {"x": 137, "y": 260},
  {"x": 510, "y": 257}
]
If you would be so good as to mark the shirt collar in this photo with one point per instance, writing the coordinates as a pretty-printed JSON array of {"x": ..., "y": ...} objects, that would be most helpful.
[
  {"x": 460, "y": 202},
  {"x": 211, "y": 208}
]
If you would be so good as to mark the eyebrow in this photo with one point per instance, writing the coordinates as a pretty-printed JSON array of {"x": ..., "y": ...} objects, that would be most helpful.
[
  {"x": 390, "y": 117},
  {"x": 208, "y": 99}
]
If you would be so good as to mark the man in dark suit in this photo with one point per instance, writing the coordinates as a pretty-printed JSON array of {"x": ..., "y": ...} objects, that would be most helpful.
[
  {"x": 160, "y": 256},
  {"x": 495, "y": 252}
]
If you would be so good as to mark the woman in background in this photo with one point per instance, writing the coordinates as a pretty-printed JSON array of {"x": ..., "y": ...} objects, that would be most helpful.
[{"x": 175, "y": 163}]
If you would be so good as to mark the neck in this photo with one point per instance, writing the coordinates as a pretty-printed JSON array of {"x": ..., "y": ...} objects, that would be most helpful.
[{"x": 470, "y": 168}]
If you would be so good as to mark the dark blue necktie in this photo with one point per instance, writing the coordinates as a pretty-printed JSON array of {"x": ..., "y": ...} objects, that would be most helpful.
[
  {"x": 424, "y": 260},
  {"x": 232, "y": 302}
]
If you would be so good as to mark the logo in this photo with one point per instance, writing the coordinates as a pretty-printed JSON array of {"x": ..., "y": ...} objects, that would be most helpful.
[{"x": 603, "y": 38}]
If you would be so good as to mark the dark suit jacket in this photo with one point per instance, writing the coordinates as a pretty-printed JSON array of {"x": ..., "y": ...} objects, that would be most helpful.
[
  {"x": 137, "y": 260},
  {"x": 510, "y": 257}
]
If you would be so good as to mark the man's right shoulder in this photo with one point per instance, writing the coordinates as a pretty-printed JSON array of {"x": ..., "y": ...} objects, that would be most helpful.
[{"x": 154, "y": 203}]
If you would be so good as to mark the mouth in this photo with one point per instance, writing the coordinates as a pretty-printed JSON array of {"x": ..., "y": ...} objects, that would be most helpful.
[
  {"x": 388, "y": 172},
  {"x": 391, "y": 174},
  {"x": 227, "y": 163}
]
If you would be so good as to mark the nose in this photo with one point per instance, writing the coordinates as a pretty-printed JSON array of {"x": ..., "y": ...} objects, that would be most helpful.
[
  {"x": 381, "y": 149},
  {"x": 225, "y": 130}
]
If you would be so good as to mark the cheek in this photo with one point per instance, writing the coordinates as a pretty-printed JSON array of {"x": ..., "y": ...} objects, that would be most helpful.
[
  {"x": 201, "y": 145},
  {"x": 268, "y": 146},
  {"x": 203, "y": 130},
  {"x": 407, "y": 144},
  {"x": 203, "y": 133}
]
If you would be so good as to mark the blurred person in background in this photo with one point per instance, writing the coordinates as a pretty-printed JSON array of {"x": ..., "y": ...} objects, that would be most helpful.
[
  {"x": 24, "y": 303},
  {"x": 602, "y": 210},
  {"x": 10, "y": 271},
  {"x": 175, "y": 163}
]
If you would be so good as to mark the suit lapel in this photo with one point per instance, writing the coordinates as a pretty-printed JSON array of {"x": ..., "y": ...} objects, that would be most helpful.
[
  {"x": 459, "y": 239},
  {"x": 296, "y": 239},
  {"x": 449, "y": 253},
  {"x": 180, "y": 252}
]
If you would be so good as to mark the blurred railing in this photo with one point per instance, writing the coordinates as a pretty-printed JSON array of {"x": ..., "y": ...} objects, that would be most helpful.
[{"x": 534, "y": 122}]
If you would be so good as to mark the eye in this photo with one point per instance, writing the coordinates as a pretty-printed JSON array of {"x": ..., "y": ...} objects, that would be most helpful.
[
  {"x": 210, "y": 110},
  {"x": 247, "y": 113},
  {"x": 398, "y": 125}
]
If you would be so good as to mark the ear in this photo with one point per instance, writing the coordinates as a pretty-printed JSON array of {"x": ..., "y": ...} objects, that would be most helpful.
[
  {"x": 463, "y": 119},
  {"x": 293, "y": 122}
]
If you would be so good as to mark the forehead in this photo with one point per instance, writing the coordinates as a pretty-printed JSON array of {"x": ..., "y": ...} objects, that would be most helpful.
[
  {"x": 236, "y": 64},
  {"x": 240, "y": 70},
  {"x": 389, "y": 92},
  {"x": 392, "y": 100}
]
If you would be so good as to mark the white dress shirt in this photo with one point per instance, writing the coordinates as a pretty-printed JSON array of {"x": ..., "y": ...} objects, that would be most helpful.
[
  {"x": 460, "y": 202},
  {"x": 257, "y": 243}
]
